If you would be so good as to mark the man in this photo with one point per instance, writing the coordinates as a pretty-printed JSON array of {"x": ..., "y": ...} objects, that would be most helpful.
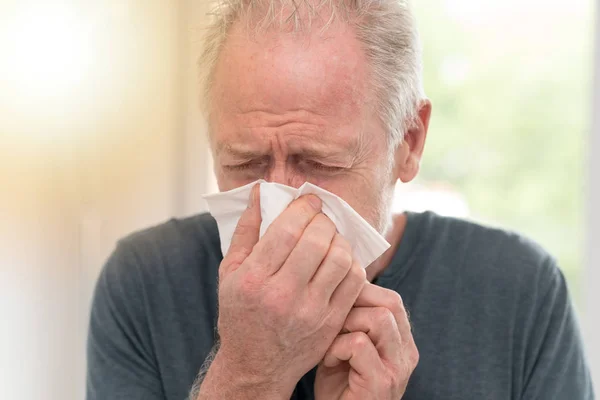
[{"x": 328, "y": 92}]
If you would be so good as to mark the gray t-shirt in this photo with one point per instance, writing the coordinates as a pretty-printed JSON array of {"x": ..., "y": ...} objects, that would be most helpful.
[{"x": 490, "y": 312}]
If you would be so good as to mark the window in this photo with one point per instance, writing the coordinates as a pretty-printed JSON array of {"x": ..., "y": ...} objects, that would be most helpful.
[{"x": 510, "y": 83}]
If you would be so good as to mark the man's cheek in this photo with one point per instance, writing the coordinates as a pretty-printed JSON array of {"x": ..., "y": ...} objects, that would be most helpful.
[{"x": 226, "y": 182}]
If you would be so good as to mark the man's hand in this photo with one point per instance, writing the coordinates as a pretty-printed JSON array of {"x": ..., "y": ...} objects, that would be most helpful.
[
  {"x": 374, "y": 355},
  {"x": 282, "y": 300}
]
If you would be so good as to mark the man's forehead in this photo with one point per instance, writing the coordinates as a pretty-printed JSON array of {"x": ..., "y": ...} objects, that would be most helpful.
[{"x": 281, "y": 71}]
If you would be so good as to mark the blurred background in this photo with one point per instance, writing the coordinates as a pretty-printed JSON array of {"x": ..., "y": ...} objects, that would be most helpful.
[{"x": 100, "y": 136}]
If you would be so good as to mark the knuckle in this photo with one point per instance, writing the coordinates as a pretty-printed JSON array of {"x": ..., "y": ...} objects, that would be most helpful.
[
  {"x": 308, "y": 315},
  {"x": 382, "y": 316},
  {"x": 360, "y": 340},
  {"x": 334, "y": 320},
  {"x": 317, "y": 297},
  {"x": 249, "y": 285},
  {"x": 252, "y": 266},
  {"x": 341, "y": 242},
  {"x": 358, "y": 273},
  {"x": 222, "y": 274},
  {"x": 394, "y": 301},
  {"x": 232, "y": 261},
  {"x": 333, "y": 323},
  {"x": 289, "y": 236},
  {"x": 278, "y": 310},
  {"x": 277, "y": 302},
  {"x": 340, "y": 257},
  {"x": 317, "y": 243},
  {"x": 413, "y": 358}
]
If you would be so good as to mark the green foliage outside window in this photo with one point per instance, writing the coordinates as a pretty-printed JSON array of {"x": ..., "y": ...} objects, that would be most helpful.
[{"x": 511, "y": 110}]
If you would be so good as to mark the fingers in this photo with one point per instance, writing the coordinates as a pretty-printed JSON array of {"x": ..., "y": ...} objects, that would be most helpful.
[
  {"x": 376, "y": 296},
  {"x": 379, "y": 324},
  {"x": 310, "y": 251},
  {"x": 283, "y": 234},
  {"x": 245, "y": 235},
  {"x": 346, "y": 293},
  {"x": 359, "y": 351},
  {"x": 334, "y": 267}
]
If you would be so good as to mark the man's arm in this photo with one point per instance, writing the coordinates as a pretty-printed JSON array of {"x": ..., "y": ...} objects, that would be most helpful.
[
  {"x": 217, "y": 381},
  {"x": 555, "y": 362},
  {"x": 121, "y": 363},
  {"x": 195, "y": 391}
]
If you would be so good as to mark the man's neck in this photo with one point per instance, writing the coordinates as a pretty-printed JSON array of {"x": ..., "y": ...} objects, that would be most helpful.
[{"x": 394, "y": 236}]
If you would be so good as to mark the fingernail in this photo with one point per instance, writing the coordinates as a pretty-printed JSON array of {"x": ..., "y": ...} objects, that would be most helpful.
[{"x": 315, "y": 201}]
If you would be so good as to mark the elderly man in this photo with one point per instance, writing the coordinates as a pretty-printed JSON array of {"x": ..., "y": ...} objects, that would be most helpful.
[{"x": 327, "y": 92}]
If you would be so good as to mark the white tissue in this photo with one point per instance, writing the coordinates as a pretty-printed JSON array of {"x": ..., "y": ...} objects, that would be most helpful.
[{"x": 227, "y": 208}]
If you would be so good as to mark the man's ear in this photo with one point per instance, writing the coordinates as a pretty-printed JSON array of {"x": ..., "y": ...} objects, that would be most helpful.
[{"x": 409, "y": 152}]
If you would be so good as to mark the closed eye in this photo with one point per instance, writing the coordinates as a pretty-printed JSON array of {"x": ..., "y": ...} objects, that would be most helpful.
[
  {"x": 246, "y": 165},
  {"x": 322, "y": 167},
  {"x": 239, "y": 167}
]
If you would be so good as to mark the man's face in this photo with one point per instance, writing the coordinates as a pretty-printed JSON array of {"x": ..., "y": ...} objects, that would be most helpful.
[{"x": 291, "y": 108}]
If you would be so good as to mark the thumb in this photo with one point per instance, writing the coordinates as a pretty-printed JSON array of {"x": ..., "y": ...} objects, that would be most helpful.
[{"x": 245, "y": 235}]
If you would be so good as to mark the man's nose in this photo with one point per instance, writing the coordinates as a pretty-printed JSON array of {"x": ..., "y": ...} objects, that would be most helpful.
[{"x": 282, "y": 173}]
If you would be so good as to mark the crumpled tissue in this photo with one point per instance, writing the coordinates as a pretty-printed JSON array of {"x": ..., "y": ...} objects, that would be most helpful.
[{"x": 227, "y": 208}]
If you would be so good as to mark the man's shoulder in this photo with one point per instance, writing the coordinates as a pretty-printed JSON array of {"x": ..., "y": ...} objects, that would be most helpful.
[
  {"x": 195, "y": 232},
  {"x": 177, "y": 250},
  {"x": 486, "y": 239},
  {"x": 485, "y": 253},
  {"x": 493, "y": 277},
  {"x": 154, "y": 305}
]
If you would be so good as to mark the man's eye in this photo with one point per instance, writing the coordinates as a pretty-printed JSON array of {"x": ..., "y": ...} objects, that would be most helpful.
[
  {"x": 239, "y": 167},
  {"x": 322, "y": 167},
  {"x": 242, "y": 167}
]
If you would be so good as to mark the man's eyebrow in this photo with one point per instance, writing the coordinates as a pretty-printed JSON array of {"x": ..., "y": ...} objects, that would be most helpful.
[
  {"x": 324, "y": 152},
  {"x": 317, "y": 153},
  {"x": 237, "y": 151}
]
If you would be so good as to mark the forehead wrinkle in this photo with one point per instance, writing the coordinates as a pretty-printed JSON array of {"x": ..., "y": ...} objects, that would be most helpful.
[
  {"x": 295, "y": 144},
  {"x": 252, "y": 130},
  {"x": 272, "y": 118}
]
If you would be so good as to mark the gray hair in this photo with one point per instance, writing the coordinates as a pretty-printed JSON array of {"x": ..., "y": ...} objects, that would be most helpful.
[{"x": 386, "y": 29}]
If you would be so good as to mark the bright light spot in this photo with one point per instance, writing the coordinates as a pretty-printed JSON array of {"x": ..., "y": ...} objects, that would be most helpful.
[
  {"x": 48, "y": 51},
  {"x": 441, "y": 200},
  {"x": 455, "y": 70}
]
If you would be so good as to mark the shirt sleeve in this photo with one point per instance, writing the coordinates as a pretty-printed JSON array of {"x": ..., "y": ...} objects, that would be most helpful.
[
  {"x": 556, "y": 367},
  {"x": 120, "y": 360}
]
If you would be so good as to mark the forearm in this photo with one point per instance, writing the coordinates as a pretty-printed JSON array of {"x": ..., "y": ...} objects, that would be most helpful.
[{"x": 221, "y": 382}]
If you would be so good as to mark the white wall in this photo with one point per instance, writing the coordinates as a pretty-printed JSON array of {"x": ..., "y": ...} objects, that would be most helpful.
[
  {"x": 38, "y": 286},
  {"x": 124, "y": 150},
  {"x": 127, "y": 166},
  {"x": 197, "y": 177}
]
